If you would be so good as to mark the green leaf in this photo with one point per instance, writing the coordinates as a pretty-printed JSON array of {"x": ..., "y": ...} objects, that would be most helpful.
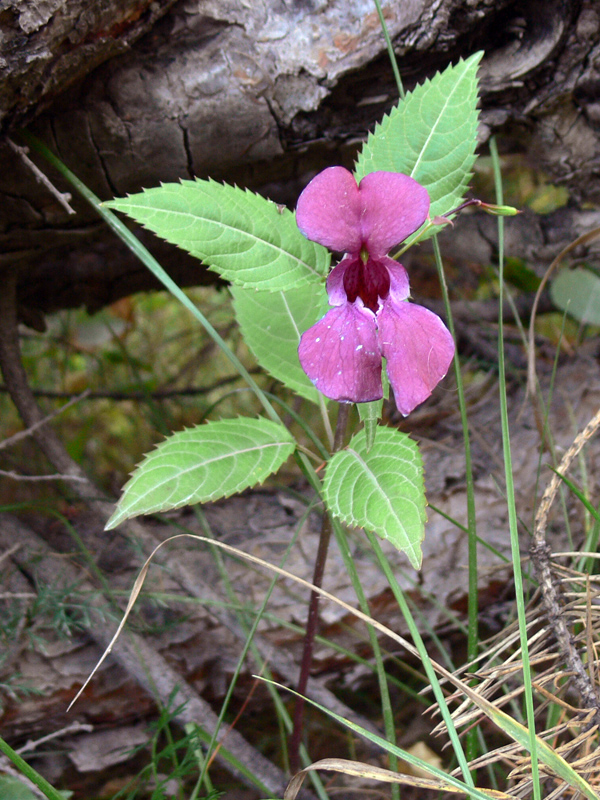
[
  {"x": 431, "y": 136},
  {"x": 271, "y": 324},
  {"x": 370, "y": 414},
  {"x": 15, "y": 789},
  {"x": 577, "y": 292},
  {"x": 248, "y": 240},
  {"x": 204, "y": 463},
  {"x": 380, "y": 489}
]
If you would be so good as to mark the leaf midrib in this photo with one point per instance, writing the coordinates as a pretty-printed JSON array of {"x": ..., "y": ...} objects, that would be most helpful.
[
  {"x": 221, "y": 457},
  {"x": 374, "y": 480},
  {"x": 227, "y": 227},
  {"x": 440, "y": 115}
]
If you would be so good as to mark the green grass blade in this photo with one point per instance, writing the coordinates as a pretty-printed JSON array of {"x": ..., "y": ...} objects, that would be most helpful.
[
  {"x": 510, "y": 496},
  {"x": 473, "y": 593},
  {"x": 579, "y": 495},
  {"x": 393, "y": 749},
  {"x": 42, "y": 784},
  {"x": 425, "y": 659}
]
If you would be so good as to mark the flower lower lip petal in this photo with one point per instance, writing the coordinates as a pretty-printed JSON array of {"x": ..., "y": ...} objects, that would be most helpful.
[
  {"x": 340, "y": 355},
  {"x": 418, "y": 348}
]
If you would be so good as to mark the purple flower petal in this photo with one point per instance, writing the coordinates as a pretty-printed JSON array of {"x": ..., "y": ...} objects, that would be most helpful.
[
  {"x": 394, "y": 206},
  {"x": 399, "y": 286},
  {"x": 335, "y": 282},
  {"x": 329, "y": 210},
  {"x": 341, "y": 356},
  {"x": 418, "y": 348}
]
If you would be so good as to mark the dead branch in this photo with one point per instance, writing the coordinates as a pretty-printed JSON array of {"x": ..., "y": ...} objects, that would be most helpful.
[
  {"x": 62, "y": 197},
  {"x": 15, "y": 476}
]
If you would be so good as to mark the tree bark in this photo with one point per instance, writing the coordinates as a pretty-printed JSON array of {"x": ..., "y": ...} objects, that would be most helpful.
[{"x": 263, "y": 94}]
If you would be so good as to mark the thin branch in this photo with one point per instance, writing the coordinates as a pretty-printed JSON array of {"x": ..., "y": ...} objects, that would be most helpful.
[
  {"x": 159, "y": 394},
  {"x": 312, "y": 621},
  {"x": 75, "y": 727},
  {"x": 32, "y": 428},
  {"x": 8, "y": 553},
  {"x": 15, "y": 476},
  {"x": 62, "y": 197}
]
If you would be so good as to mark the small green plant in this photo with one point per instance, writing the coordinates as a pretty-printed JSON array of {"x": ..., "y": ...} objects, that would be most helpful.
[
  {"x": 343, "y": 336},
  {"x": 175, "y": 763}
]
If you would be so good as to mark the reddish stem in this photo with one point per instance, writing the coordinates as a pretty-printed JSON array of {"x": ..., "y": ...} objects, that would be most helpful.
[{"x": 313, "y": 608}]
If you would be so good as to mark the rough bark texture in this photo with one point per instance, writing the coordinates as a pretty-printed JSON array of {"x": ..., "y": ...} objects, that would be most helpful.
[
  {"x": 48, "y": 45},
  {"x": 262, "y": 94}
]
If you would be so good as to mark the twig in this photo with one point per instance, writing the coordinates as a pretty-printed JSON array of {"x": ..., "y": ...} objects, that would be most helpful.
[
  {"x": 62, "y": 197},
  {"x": 8, "y": 553},
  {"x": 32, "y": 428},
  {"x": 74, "y": 727},
  {"x": 17, "y": 477},
  {"x": 159, "y": 394},
  {"x": 541, "y": 556}
]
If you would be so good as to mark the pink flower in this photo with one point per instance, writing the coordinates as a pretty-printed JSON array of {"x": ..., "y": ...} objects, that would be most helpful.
[{"x": 371, "y": 318}]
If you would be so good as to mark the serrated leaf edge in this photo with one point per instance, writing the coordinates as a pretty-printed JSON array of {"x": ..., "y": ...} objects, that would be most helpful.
[
  {"x": 313, "y": 274},
  {"x": 120, "y": 515},
  {"x": 413, "y": 552}
]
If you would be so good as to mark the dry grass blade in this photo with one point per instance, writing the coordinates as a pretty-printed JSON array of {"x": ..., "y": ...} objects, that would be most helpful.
[
  {"x": 370, "y": 772},
  {"x": 548, "y": 756},
  {"x": 552, "y": 597},
  {"x": 574, "y": 737}
]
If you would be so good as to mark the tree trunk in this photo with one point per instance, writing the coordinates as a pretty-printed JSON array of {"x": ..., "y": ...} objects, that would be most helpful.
[{"x": 129, "y": 94}]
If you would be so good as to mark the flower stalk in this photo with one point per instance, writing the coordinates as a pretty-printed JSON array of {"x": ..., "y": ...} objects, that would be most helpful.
[{"x": 313, "y": 608}]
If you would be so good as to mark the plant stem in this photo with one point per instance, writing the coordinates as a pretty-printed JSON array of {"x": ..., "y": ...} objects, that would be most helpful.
[{"x": 313, "y": 607}]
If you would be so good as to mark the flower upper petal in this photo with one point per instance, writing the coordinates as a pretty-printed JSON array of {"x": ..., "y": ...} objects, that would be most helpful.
[
  {"x": 341, "y": 356},
  {"x": 393, "y": 206},
  {"x": 418, "y": 348},
  {"x": 329, "y": 210}
]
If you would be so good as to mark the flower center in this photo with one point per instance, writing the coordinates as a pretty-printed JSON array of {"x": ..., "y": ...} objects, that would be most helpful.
[{"x": 368, "y": 279}]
